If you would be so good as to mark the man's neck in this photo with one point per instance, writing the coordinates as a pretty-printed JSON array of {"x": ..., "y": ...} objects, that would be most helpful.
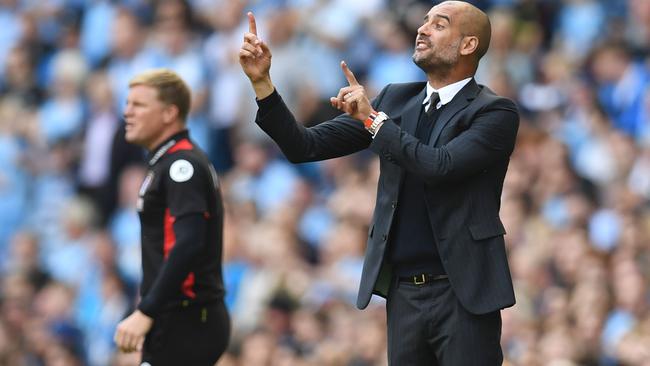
[
  {"x": 166, "y": 135},
  {"x": 438, "y": 83},
  {"x": 442, "y": 77}
]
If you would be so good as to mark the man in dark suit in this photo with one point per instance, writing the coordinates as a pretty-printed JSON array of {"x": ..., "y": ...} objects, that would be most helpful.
[{"x": 435, "y": 246}]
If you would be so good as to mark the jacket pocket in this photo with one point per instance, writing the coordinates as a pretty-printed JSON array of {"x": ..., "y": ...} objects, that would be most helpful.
[{"x": 486, "y": 229}]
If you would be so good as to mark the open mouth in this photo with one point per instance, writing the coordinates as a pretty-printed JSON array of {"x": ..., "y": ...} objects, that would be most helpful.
[{"x": 420, "y": 45}]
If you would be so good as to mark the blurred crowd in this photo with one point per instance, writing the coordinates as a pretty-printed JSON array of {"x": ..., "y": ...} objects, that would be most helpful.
[{"x": 575, "y": 202}]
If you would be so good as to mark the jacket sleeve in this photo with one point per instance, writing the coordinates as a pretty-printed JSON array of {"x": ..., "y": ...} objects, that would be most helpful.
[
  {"x": 490, "y": 138},
  {"x": 189, "y": 231},
  {"x": 337, "y": 137}
]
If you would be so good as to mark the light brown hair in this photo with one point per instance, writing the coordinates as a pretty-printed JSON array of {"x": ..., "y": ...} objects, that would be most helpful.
[{"x": 172, "y": 90}]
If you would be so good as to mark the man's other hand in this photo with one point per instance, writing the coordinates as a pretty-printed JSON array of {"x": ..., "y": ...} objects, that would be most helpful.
[
  {"x": 130, "y": 332},
  {"x": 352, "y": 99}
]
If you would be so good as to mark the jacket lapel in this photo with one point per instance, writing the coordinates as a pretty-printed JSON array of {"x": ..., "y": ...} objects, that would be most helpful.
[
  {"x": 460, "y": 101},
  {"x": 411, "y": 113}
]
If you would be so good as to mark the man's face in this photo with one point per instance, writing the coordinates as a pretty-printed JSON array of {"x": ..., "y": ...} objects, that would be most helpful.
[
  {"x": 438, "y": 41},
  {"x": 144, "y": 114}
]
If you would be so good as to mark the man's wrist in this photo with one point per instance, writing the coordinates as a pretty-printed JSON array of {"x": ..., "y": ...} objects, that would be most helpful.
[
  {"x": 146, "y": 307},
  {"x": 374, "y": 122},
  {"x": 142, "y": 313},
  {"x": 263, "y": 88},
  {"x": 368, "y": 121}
]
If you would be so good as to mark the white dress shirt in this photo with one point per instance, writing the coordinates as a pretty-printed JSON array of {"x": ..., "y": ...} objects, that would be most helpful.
[{"x": 446, "y": 93}]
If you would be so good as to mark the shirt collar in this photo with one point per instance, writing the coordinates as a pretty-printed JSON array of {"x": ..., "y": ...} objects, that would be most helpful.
[
  {"x": 446, "y": 93},
  {"x": 158, "y": 152}
]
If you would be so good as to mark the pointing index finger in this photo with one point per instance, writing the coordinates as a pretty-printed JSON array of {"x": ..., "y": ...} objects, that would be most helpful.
[
  {"x": 252, "y": 27},
  {"x": 348, "y": 74}
]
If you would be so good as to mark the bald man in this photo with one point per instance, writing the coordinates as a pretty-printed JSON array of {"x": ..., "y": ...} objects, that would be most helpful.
[{"x": 435, "y": 245}]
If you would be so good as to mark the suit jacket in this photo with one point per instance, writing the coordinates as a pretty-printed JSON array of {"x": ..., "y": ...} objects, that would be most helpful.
[{"x": 463, "y": 165}]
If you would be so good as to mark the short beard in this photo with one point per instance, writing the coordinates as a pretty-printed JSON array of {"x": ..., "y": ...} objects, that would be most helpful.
[{"x": 439, "y": 66}]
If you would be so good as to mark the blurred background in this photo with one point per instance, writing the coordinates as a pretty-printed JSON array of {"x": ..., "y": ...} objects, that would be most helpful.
[{"x": 575, "y": 202}]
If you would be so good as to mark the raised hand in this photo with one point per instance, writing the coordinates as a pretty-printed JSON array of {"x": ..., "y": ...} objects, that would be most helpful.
[
  {"x": 352, "y": 99},
  {"x": 255, "y": 60}
]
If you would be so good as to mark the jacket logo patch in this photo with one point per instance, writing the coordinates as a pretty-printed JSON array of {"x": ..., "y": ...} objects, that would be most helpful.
[{"x": 181, "y": 171}]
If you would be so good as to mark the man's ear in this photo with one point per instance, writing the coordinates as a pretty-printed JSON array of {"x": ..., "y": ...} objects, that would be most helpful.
[
  {"x": 170, "y": 113},
  {"x": 468, "y": 45}
]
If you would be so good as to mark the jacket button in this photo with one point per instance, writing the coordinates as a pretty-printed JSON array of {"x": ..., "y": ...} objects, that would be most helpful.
[
  {"x": 383, "y": 237},
  {"x": 393, "y": 204}
]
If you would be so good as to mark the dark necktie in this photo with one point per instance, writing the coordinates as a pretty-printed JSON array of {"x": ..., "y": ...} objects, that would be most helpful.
[
  {"x": 428, "y": 119},
  {"x": 433, "y": 102}
]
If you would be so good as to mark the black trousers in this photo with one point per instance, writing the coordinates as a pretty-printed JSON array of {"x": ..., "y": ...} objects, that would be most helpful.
[
  {"x": 428, "y": 326},
  {"x": 191, "y": 336}
]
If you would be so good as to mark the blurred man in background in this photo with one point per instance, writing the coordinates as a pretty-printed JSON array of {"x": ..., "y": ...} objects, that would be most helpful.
[{"x": 181, "y": 318}]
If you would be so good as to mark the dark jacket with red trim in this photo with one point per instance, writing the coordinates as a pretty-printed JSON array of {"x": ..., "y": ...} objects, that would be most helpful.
[{"x": 181, "y": 215}]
